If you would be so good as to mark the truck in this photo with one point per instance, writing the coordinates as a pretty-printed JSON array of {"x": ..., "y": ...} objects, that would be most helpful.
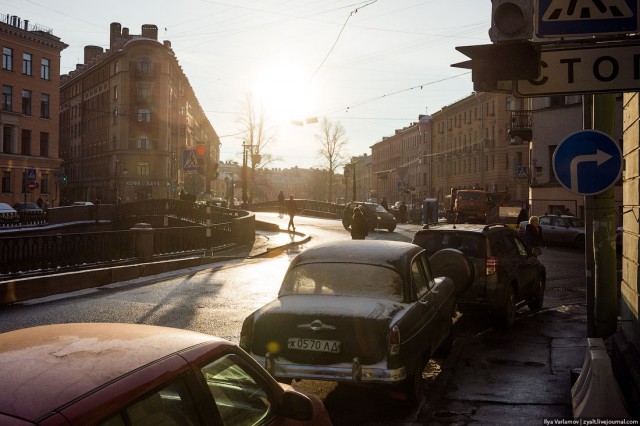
[{"x": 467, "y": 205}]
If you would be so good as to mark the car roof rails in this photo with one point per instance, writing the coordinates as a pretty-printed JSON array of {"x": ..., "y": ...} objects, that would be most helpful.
[{"x": 491, "y": 225}]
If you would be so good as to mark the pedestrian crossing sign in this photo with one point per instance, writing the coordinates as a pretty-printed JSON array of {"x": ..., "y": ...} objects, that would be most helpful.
[
  {"x": 579, "y": 18},
  {"x": 190, "y": 159}
]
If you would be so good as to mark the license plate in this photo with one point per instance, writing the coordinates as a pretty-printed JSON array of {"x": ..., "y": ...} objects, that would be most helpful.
[{"x": 315, "y": 345}]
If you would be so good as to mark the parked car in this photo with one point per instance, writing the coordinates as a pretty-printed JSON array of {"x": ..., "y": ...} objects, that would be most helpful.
[
  {"x": 8, "y": 214},
  {"x": 505, "y": 275},
  {"x": 563, "y": 230},
  {"x": 376, "y": 215},
  {"x": 132, "y": 374},
  {"x": 357, "y": 311},
  {"x": 82, "y": 203},
  {"x": 27, "y": 207}
]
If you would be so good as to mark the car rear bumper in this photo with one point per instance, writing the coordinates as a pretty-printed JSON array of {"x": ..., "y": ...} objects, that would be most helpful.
[{"x": 353, "y": 372}]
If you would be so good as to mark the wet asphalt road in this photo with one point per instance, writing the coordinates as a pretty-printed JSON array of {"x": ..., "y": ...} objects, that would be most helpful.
[{"x": 519, "y": 376}]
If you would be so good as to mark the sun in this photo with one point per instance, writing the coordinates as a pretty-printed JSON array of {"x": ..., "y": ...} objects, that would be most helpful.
[{"x": 284, "y": 92}]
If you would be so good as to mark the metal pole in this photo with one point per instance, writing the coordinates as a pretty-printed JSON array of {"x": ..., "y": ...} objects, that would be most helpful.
[
  {"x": 604, "y": 221},
  {"x": 244, "y": 173},
  {"x": 353, "y": 192},
  {"x": 589, "y": 261}
]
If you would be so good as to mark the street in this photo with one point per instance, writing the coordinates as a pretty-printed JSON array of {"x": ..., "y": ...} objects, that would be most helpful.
[{"x": 517, "y": 376}]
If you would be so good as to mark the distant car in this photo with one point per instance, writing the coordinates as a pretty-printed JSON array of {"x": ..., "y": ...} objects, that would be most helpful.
[
  {"x": 505, "y": 275},
  {"x": 132, "y": 374},
  {"x": 364, "y": 312},
  {"x": 82, "y": 203},
  {"x": 567, "y": 230},
  {"x": 8, "y": 214},
  {"x": 27, "y": 207},
  {"x": 376, "y": 216}
]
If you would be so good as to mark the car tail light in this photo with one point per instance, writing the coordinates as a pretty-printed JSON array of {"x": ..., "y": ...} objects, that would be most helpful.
[
  {"x": 394, "y": 341},
  {"x": 245, "y": 333},
  {"x": 492, "y": 265}
]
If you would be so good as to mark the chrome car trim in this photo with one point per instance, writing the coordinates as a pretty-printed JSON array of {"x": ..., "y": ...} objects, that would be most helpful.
[
  {"x": 316, "y": 325},
  {"x": 340, "y": 372}
]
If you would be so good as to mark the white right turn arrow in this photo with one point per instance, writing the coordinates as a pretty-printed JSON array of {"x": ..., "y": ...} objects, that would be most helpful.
[{"x": 599, "y": 156}]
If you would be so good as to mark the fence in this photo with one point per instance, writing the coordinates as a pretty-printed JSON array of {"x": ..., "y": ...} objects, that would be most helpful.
[{"x": 213, "y": 227}]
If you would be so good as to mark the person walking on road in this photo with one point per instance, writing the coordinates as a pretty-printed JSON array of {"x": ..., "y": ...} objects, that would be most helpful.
[
  {"x": 292, "y": 210},
  {"x": 359, "y": 225},
  {"x": 533, "y": 234},
  {"x": 384, "y": 203}
]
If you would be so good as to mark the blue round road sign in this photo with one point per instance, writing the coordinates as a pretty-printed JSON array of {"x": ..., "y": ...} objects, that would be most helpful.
[{"x": 587, "y": 162}]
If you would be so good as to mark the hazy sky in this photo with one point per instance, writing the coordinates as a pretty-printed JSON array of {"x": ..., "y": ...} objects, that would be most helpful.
[{"x": 374, "y": 66}]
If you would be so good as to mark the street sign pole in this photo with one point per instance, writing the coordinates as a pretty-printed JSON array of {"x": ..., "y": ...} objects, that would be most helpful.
[
  {"x": 589, "y": 261},
  {"x": 604, "y": 225}
]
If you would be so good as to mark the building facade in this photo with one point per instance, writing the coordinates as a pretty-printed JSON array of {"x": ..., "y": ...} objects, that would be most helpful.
[
  {"x": 131, "y": 127},
  {"x": 473, "y": 147},
  {"x": 30, "y": 76}
]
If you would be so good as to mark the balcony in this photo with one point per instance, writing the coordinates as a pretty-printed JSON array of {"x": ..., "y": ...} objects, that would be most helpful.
[{"x": 520, "y": 126}]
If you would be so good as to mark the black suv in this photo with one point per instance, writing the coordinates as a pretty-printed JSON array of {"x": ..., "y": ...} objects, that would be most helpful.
[
  {"x": 505, "y": 275},
  {"x": 376, "y": 215}
]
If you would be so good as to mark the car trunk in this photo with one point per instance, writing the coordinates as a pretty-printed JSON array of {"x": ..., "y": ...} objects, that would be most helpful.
[{"x": 322, "y": 330}]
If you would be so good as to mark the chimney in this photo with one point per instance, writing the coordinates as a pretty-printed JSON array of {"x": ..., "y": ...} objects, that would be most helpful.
[
  {"x": 125, "y": 33},
  {"x": 114, "y": 34},
  {"x": 150, "y": 31},
  {"x": 26, "y": 25},
  {"x": 167, "y": 44},
  {"x": 91, "y": 52}
]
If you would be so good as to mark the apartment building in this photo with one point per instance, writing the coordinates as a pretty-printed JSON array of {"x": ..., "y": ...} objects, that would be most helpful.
[
  {"x": 131, "y": 127},
  {"x": 30, "y": 78},
  {"x": 481, "y": 141}
]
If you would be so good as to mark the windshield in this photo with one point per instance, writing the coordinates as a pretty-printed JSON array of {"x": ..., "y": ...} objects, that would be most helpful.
[
  {"x": 574, "y": 222},
  {"x": 343, "y": 279},
  {"x": 470, "y": 195}
]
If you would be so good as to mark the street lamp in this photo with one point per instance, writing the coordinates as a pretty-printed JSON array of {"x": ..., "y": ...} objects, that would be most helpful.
[{"x": 121, "y": 169}]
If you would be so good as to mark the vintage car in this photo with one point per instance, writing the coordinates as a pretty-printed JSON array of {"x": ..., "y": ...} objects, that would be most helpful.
[
  {"x": 359, "y": 311},
  {"x": 132, "y": 374}
]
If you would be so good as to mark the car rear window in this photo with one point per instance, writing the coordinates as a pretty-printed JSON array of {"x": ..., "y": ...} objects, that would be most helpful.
[
  {"x": 468, "y": 243},
  {"x": 343, "y": 279}
]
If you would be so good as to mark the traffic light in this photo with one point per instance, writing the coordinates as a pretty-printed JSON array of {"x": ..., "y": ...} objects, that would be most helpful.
[
  {"x": 201, "y": 155},
  {"x": 511, "y": 20}
]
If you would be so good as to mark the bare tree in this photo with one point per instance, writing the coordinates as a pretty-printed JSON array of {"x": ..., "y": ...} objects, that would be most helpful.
[
  {"x": 257, "y": 132},
  {"x": 333, "y": 140}
]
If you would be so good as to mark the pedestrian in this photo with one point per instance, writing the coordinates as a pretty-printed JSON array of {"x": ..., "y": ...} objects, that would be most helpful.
[
  {"x": 384, "y": 204},
  {"x": 281, "y": 202},
  {"x": 359, "y": 225},
  {"x": 40, "y": 202},
  {"x": 292, "y": 210},
  {"x": 522, "y": 216},
  {"x": 533, "y": 234},
  {"x": 403, "y": 212}
]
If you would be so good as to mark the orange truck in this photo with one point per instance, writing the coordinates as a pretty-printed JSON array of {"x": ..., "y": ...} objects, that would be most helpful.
[{"x": 467, "y": 205}]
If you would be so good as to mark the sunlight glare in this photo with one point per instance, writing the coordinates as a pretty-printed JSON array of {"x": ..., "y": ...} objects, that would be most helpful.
[{"x": 284, "y": 93}]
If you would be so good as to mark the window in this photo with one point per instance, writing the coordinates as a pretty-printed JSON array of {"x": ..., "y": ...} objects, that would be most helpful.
[
  {"x": 144, "y": 115},
  {"x": 26, "y": 142},
  {"x": 143, "y": 143},
  {"x": 7, "y": 59},
  {"x": 6, "y": 181},
  {"x": 26, "y": 102},
  {"x": 144, "y": 66},
  {"x": 144, "y": 92},
  {"x": 27, "y": 64},
  {"x": 115, "y": 116},
  {"x": 44, "y": 183},
  {"x": 143, "y": 168},
  {"x": 44, "y": 105},
  {"x": 44, "y": 69},
  {"x": 241, "y": 400},
  {"x": 7, "y": 98},
  {"x": 115, "y": 93},
  {"x": 116, "y": 67},
  {"x": 7, "y": 134},
  {"x": 171, "y": 405},
  {"x": 44, "y": 144}
]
